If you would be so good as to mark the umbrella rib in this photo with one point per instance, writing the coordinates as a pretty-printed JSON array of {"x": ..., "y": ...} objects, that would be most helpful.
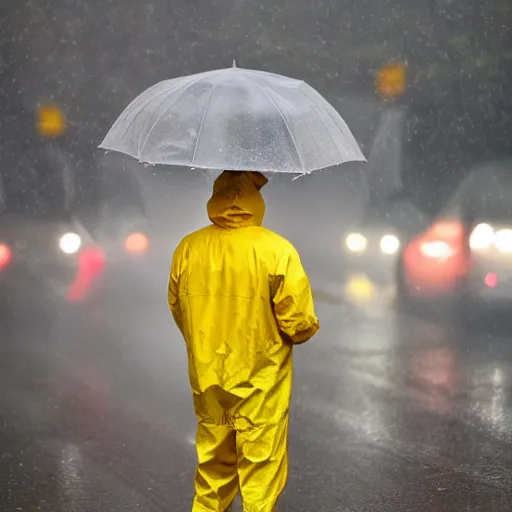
[
  {"x": 282, "y": 117},
  {"x": 139, "y": 112},
  {"x": 163, "y": 92},
  {"x": 165, "y": 110},
  {"x": 202, "y": 122},
  {"x": 322, "y": 121}
]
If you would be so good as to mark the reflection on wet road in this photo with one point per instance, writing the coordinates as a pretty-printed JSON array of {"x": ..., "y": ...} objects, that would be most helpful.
[{"x": 390, "y": 414}]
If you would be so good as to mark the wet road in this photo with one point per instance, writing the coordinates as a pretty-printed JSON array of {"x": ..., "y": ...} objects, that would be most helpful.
[{"x": 389, "y": 414}]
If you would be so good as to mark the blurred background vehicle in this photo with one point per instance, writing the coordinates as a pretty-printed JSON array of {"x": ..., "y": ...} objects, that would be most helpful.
[
  {"x": 390, "y": 218},
  {"x": 67, "y": 223},
  {"x": 465, "y": 256},
  {"x": 46, "y": 252},
  {"x": 407, "y": 162},
  {"x": 371, "y": 253}
]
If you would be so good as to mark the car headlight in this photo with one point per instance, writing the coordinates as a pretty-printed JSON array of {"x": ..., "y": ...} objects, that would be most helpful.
[
  {"x": 136, "y": 243},
  {"x": 389, "y": 244},
  {"x": 503, "y": 240},
  {"x": 70, "y": 243},
  {"x": 481, "y": 237},
  {"x": 356, "y": 242}
]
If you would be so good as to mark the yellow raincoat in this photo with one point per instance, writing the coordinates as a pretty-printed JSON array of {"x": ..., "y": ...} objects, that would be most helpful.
[{"x": 241, "y": 299}]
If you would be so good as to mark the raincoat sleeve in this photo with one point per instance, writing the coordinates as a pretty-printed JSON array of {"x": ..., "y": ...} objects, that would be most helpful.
[
  {"x": 173, "y": 293},
  {"x": 293, "y": 300}
]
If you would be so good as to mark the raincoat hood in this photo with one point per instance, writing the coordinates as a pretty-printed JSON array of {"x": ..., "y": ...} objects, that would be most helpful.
[{"x": 236, "y": 201}]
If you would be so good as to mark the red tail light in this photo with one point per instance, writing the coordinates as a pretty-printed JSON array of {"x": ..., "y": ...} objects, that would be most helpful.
[
  {"x": 91, "y": 265},
  {"x": 442, "y": 241},
  {"x": 491, "y": 280},
  {"x": 437, "y": 259},
  {"x": 5, "y": 256},
  {"x": 92, "y": 262}
]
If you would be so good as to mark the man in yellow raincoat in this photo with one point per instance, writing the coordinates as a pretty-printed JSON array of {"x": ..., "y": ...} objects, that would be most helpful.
[{"x": 242, "y": 300}]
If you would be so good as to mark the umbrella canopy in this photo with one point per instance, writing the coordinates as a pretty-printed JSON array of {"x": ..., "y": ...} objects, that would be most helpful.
[{"x": 235, "y": 119}]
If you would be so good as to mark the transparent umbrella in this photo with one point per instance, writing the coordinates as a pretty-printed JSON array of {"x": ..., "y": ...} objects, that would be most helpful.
[{"x": 234, "y": 119}]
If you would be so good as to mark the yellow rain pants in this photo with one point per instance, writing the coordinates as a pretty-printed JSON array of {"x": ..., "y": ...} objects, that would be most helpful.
[
  {"x": 240, "y": 296},
  {"x": 253, "y": 462}
]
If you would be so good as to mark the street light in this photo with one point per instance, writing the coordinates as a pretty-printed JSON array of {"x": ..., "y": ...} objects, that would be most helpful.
[
  {"x": 390, "y": 80},
  {"x": 51, "y": 122}
]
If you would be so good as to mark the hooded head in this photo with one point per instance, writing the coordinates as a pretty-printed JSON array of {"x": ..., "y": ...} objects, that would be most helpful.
[{"x": 236, "y": 201}]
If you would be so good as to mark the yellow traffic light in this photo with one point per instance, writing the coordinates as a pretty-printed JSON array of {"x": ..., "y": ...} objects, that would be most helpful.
[
  {"x": 390, "y": 81},
  {"x": 51, "y": 121}
]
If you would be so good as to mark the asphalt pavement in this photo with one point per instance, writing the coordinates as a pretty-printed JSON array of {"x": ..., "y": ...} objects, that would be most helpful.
[{"x": 389, "y": 413}]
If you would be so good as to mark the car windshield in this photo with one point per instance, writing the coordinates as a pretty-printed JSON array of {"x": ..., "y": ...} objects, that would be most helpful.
[
  {"x": 484, "y": 195},
  {"x": 495, "y": 203}
]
